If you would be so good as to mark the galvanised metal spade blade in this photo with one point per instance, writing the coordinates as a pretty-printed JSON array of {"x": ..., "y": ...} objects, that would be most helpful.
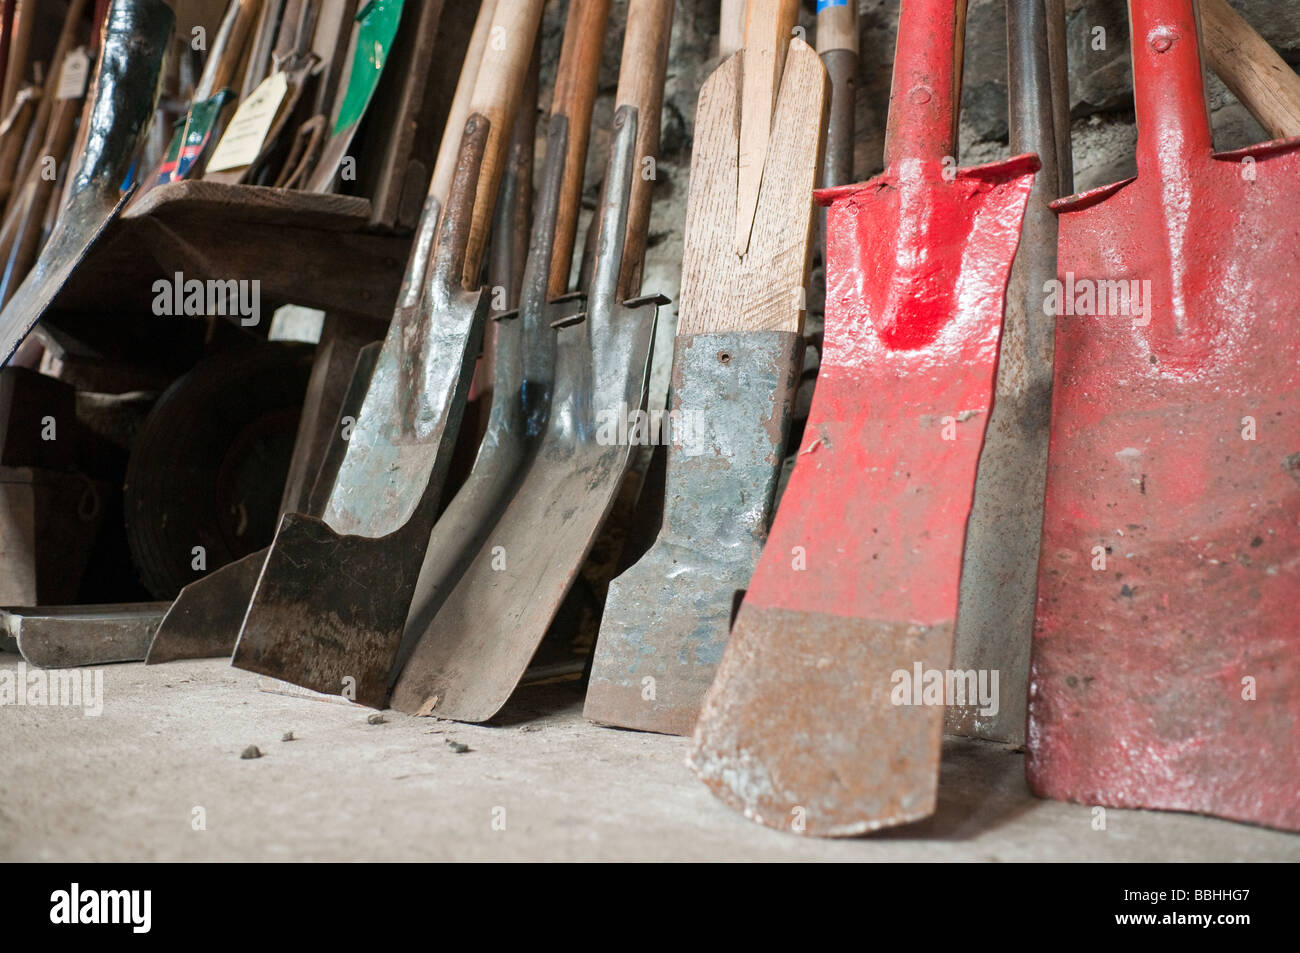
[
  {"x": 331, "y": 602},
  {"x": 127, "y": 83},
  {"x": 473, "y": 652},
  {"x": 524, "y": 372},
  {"x": 1166, "y": 658},
  {"x": 856, "y": 590},
  {"x": 735, "y": 372}
]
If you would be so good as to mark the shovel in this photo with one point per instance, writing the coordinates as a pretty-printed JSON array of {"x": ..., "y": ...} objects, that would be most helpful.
[
  {"x": 735, "y": 370},
  {"x": 126, "y": 87},
  {"x": 523, "y": 366},
  {"x": 471, "y": 654},
  {"x": 999, "y": 579},
  {"x": 1166, "y": 656},
  {"x": 205, "y": 618},
  {"x": 330, "y": 605},
  {"x": 807, "y": 726}
]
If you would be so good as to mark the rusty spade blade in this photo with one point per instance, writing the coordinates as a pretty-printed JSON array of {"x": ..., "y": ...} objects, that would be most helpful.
[
  {"x": 735, "y": 371},
  {"x": 1165, "y": 668},
  {"x": 807, "y": 727},
  {"x": 127, "y": 83},
  {"x": 473, "y": 653},
  {"x": 205, "y": 618},
  {"x": 524, "y": 376},
  {"x": 332, "y": 598},
  {"x": 999, "y": 579}
]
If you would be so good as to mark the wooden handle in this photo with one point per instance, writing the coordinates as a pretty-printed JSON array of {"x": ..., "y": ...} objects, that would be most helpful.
[
  {"x": 1248, "y": 66},
  {"x": 445, "y": 165},
  {"x": 575, "y": 92},
  {"x": 36, "y": 196},
  {"x": 6, "y": 41},
  {"x": 330, "y": 43},
  {"x": 262, "y": 46},
  {"x": 769, "y": 25},
  {"x": 286, "y": 37},
  {"x": 958, "y": 70},
  {"x": 36, "y": 133},
  {"x": 227, "y": 50},
  {"x": 12, "y": 133},
  {"x": 837, "y": 45},
  {"x": 641, "y": 84},
  {"x": 497, "y": 89},
  {"x": 731, "y": 29},
  {"x": 19, "y": 47},
  {"x": 837, "y": 26}
]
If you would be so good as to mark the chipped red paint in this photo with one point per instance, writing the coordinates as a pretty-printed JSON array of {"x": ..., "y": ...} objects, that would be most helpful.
[
  {"x": 860, "y": 574},
  {"x": 1136, "y": 682}
]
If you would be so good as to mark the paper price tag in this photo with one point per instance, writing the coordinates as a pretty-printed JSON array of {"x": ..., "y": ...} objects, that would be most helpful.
[
  {"x": 252, "y": 121},
  {"x": 75, "y": 75}
]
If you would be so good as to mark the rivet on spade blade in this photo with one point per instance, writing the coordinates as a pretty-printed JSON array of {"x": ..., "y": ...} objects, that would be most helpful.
[{"x": 1163, "y": 41}]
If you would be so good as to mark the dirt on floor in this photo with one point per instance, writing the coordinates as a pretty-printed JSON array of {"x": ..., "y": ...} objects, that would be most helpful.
[{"x": 159, "y": 775}]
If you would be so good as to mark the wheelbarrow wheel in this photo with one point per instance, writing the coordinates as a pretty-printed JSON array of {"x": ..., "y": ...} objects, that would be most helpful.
[{"x": 205, "y": 476}]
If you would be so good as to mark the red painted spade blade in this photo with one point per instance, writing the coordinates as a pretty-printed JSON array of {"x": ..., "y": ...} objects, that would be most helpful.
[
  {"x": 859, "y": 577},
  {"x": 1166, "y": 658},
  {"x": 855, "y": 596}
]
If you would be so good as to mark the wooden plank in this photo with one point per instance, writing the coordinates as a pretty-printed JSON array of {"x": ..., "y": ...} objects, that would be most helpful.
[
  {"x": 197, "y": 203},
  {"x": 768, "y": 26},
  {"x": 763, "y": 289},
  {"x": 304, "y": 248}
]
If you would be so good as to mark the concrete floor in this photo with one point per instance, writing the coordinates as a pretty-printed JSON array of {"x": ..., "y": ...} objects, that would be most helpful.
[{"x": 126, "y": 786}]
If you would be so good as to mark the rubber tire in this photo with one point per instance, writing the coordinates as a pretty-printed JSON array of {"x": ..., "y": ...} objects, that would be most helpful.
[{"x": 202, "y": 426}]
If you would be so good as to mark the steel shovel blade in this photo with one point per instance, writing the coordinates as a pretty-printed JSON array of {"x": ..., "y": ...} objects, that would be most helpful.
[
  {"x": 204, "y": 619},
  {"x": 521, "y": 398},
  {"x": 855, "y": 596},
  {"x": 473, "y": 653},
  {"x": 331, "y": 602},
  {"x": 126, "y": 88},
  {"x": 735, "y": 371},
  {"x": 1166, "y": 658}
]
